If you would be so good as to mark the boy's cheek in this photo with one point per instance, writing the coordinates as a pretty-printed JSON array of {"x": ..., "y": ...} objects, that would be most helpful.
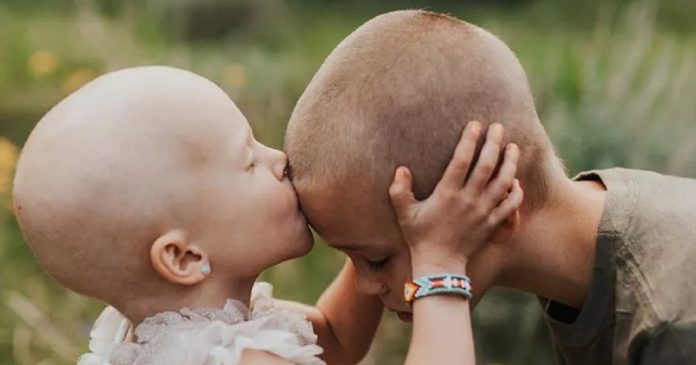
[
  {"x": 398, "y": 276},
  {"x": 402, "y": 268}
]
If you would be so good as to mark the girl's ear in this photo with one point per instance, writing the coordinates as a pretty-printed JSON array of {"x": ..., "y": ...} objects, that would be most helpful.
[
  {"x": 178, "y": 261},
  {"x": 507, "y": 229}
]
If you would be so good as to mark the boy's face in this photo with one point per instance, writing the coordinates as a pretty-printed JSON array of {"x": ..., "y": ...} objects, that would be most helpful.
[
  {"x": 372, "y": 240},
  {"x": 368, "y": 233}
]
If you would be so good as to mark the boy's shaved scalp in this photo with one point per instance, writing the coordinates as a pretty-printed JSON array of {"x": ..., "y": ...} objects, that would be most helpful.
[{"x": 399, "y": 91}]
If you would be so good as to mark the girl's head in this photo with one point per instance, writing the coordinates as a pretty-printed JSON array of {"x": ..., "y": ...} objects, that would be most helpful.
[{"x": 148, "y": 182}]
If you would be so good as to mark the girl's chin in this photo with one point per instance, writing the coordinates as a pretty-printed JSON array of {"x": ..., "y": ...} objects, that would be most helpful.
[
  {"x": 305, "y": 241},
  {"x": 309, "y": 243}
]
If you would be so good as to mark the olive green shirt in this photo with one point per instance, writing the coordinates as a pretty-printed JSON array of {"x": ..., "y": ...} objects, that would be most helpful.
[{"x": 641, "y": 306}]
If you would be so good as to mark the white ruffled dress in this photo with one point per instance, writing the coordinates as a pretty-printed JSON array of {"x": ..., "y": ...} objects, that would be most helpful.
[{"x": 205, "y": 336}]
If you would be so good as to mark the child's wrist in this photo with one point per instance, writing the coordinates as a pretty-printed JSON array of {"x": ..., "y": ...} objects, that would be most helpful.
[{"x": 422, "y": 265}]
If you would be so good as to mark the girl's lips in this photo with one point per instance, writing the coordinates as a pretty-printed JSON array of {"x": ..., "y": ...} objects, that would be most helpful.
[{"x": 405, "y": 316}]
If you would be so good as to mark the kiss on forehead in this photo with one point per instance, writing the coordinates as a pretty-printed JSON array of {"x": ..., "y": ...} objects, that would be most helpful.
[{"x": 416, "y": 150}]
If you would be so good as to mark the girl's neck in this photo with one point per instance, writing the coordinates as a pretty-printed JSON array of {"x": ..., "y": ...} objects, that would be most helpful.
[{"x": 211, "y": 293}]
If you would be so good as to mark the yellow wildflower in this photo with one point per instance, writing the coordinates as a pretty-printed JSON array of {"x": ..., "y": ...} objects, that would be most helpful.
[
  {"x": 8, "y": 159},
  {"x": 42, "y": 63}
]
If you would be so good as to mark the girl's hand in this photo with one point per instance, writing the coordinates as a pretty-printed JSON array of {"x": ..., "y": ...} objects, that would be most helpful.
[{"x": 444, "y": 230}]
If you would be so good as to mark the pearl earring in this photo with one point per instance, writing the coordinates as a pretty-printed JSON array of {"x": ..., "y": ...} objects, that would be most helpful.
[{"x": 205, "y": 269}]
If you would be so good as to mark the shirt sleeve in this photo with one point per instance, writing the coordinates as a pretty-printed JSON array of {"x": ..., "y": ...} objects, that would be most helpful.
[{"x": 669, "y": 343}]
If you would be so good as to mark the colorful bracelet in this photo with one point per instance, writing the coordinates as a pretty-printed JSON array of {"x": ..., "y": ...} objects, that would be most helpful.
[{"x": 446, "y": 283}]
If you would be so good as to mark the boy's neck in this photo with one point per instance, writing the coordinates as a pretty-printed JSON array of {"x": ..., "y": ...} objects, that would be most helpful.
[
  {"x": 555, "y": 249},
  {"x": 210, "y": 294}
]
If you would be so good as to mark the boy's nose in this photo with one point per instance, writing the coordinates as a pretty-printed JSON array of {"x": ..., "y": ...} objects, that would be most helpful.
[{"x": 369, "y": 285}]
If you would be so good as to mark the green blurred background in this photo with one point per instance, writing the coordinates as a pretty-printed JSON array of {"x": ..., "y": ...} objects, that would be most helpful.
[{"x": 614, "y": 81}]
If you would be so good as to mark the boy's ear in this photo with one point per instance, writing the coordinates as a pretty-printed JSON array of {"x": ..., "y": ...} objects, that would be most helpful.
[
  {"x": 505, "y": 230},
  {"x": 178, "y": 261}
]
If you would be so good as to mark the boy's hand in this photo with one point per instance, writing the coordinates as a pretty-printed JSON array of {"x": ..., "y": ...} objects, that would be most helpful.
[{"x": 444, "y": 230}]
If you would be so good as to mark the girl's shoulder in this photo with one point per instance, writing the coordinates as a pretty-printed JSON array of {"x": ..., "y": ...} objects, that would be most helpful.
[{"x": 197, "y": 336}]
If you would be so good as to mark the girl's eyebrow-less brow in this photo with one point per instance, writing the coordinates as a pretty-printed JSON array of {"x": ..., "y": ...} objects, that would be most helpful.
[
  {"x": 250, "y": 137},
  {"x": 245, "y": 140}
]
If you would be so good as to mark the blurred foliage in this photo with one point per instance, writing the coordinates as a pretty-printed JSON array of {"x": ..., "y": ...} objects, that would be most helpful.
[{"x": 614, "y": 83}]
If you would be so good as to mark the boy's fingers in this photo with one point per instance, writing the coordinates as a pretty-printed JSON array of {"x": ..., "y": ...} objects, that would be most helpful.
[
  {"x": 401, "y": 190},
  {"x": 507, "y": 206},
  {"x": 498, "y": 189},
  {"x": 458, "y": 167},
  {"x": 487, "y": 161}
]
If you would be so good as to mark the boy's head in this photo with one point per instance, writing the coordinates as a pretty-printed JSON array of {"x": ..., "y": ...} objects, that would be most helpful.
[
  {"x": 135, "y": 182},
  {"x": 398, "y": 91}
]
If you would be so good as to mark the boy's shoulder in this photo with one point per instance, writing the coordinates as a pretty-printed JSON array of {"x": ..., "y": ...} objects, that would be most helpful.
[
  {"x": 650, "y": 219},
  {"x": 640, "y": 307},
  {"x": 644, "y": 204}
]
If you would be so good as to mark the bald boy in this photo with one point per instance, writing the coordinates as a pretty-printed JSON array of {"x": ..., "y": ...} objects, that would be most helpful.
[{"x": 608, "y": 252}]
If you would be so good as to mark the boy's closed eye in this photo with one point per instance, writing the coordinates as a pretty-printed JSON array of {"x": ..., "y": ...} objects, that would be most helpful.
[{"x": 377, "y": 265}]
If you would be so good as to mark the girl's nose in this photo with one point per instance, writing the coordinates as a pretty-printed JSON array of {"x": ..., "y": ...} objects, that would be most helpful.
[{"x": 279, "y": 163}]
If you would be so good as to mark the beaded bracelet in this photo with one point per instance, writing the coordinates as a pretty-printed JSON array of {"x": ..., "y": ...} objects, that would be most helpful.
[{"x": 446, "y": 283}]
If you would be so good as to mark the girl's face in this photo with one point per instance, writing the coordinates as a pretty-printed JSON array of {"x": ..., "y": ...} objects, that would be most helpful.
[{"x": 251, "y": 214}]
